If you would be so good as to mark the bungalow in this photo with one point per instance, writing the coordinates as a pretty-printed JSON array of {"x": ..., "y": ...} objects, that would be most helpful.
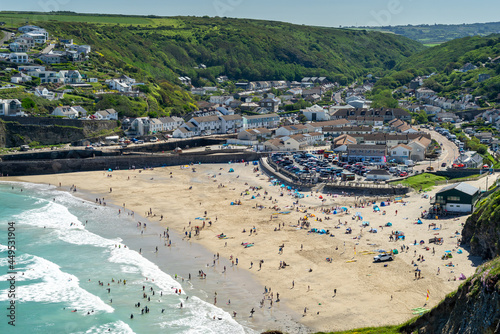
[
  {"x": 81, "y": 111},
  {"x": 107, "y": 114},
  {"x": 275, "y": 144},
  {"x": 183, "y": 132},
  {"x": 65, "y": 111}
]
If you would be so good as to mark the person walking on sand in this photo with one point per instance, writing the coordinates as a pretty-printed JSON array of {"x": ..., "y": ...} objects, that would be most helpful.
[{"x": 252, "y": 312}]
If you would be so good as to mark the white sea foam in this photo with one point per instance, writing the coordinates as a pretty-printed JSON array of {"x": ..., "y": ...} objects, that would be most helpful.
[
  {"x": 118, "y": 327},
  {"x": 200, "y": 319},
  {"x": 56, "y": 286},
  {"x": 147, "y": 268}
]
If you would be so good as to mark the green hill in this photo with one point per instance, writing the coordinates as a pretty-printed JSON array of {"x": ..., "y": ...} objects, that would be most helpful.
[
  {"x": 440, "y": 33},
  {"x": 445, "y": 60},
  {"x": 242, "y": 49}
]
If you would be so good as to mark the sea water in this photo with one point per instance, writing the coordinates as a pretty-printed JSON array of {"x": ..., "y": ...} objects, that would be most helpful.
[{"x": 64, "y": 246}]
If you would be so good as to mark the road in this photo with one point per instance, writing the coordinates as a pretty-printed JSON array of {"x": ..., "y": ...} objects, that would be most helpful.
[
  {"x": 5, "y": 37},
  {"x": 449, "y": 152},
  {"x": 48, "y": 48}
]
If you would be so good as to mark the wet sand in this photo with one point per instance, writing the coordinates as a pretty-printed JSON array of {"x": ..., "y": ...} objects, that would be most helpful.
[{"x": 367, "y": 293}]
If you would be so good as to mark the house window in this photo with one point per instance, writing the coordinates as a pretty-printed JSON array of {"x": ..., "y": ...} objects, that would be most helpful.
[
  {"x": 453, "y": 198},
  {"x": 439, "y": 197}
]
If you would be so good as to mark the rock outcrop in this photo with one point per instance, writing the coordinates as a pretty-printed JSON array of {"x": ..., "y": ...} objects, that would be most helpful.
[{"x": 482, "y": 229}]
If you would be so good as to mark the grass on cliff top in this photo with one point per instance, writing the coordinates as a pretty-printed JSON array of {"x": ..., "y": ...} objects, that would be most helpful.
[{"x": 426, "y": 181}]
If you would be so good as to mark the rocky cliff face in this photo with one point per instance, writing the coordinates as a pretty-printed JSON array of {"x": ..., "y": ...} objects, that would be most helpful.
[
  {"x": 474, "y": 308},
  {"x": 482, "y": 229},
  {"x": 44, "y": 131}
]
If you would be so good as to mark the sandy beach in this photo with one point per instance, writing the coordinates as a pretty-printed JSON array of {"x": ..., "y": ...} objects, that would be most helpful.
[{"x": 350, "y": 291}]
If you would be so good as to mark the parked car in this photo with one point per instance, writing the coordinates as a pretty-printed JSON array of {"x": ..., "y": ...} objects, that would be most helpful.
[
  {"x": 443, "y": 164},
  {"x": 430, "y": 168},
  {"x": 383, "y": 257}
]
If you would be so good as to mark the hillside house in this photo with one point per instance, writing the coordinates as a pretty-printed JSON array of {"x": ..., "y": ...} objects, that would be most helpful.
[
  {"x": 255, "y": 134},
  {"x": 66, "y": 112},
  {"x": 19, "y": 57},
  {"x": 171, "y": 123},
  {"x": 107, "y": 114},
  {"x": 231, "y": 123},
  {"x": 20, "y": 78},
  {"x": 11, "y": 108},
  {"x": 400, "y": 153},
  {"x": 271, "y": 104},
  {"x": 269, "y": 121}
]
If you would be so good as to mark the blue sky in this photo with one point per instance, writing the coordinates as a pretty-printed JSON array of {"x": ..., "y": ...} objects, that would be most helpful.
[{"x": 332, "y": 13}]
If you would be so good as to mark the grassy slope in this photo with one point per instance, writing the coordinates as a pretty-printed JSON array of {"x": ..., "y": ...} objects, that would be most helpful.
[
  {"x": 426, "y": 181},
  {"x": 239, "y": 48}
]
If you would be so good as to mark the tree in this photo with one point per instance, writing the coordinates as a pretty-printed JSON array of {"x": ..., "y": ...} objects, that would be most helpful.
[{"x": 422, "y": 117}]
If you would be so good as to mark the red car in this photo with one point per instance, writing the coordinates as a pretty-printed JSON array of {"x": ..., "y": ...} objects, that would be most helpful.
[{"x": 403, "y": 174}]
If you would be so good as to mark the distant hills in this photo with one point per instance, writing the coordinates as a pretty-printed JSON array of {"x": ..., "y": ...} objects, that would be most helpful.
[{"x": 440, "y": 33}]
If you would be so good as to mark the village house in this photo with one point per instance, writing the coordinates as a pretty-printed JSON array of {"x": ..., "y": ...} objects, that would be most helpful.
[
  {"x": 400, "y": 153},
  {"x": 255, "y": 134},
  {"x": 459, "y": 197},
  {"x": 52, "y": 58},
  {"x": 65, "y": 112},
  {"x": 370, "y": 153},
  {"x": 316, "y": 113},
  {"x": 419, "y": 147},
  {"x": 123, "y": 84},
  {"x": 269, "y": 121},
  {"x": 387, "y": 114},
  {"x": 207, "y": 125},
  {"x": 20, "y": 78},
  {"x": 19, "y": 57},
  {"x": 231, "y": 123},
  {"x": 299, "y": 141},
  {"x": 11, "y": 107},
  {"x": 271, "y": 104},
  {"x": 318, "y": 126},
  {"x": 291, "y": 130},
  {"x": 225, "y": 100},
  {"x": 45, "y": 93},
  {"x": 171, "y": 123},
  {"x": 107, "y": 114},
  {"x": 140, "y": 126},
  {"x": 378, "y": 175}
]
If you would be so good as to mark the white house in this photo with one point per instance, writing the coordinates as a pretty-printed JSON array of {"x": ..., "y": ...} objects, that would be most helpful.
[
  {"x": 155, "y": 125},
  {"x": 45, "y": 93},
  {"x": 107, "y": 114},
  {"x": 182, "y": 132},
  {"x": 221, "y": 99},
  {"x": 20, "y": 78},
  {"x": 46, "y": 76},
  {"x": 207, "y": 124},
  {"x": 261, "y": 121},
  {"x": 18, "y": 47},
  {"x": 19, "y": 57},
  {"x": 316, "y": 113},
  {"x": 140, "y": 125},
  {"x": 400, "y": 152},
  {"x": 65, "y": 111},
  {"x": 290, "y": 130},
  {"x": 171, "y": 123},
  {"x": 231, "y": 123},
  {"x": 11, "y": 108}
]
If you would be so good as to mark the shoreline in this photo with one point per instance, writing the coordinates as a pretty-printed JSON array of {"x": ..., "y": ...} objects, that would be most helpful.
[
  {"x": 362, "y": 286},
  {"x": 239, "y": 288}
]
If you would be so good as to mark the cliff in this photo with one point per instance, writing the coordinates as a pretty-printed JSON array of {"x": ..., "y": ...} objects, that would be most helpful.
[
  {"x": 482, "y": 229},
  {"x": 47, "y": 131},
  {"x": 473, "y": 308}
]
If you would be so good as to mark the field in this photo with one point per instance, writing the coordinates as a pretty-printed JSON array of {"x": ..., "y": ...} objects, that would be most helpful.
[{"x": 17, "y": 19}]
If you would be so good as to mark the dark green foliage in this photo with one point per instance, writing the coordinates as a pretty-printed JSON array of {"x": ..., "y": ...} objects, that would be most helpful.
[{"x": 240, "y": 49}]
